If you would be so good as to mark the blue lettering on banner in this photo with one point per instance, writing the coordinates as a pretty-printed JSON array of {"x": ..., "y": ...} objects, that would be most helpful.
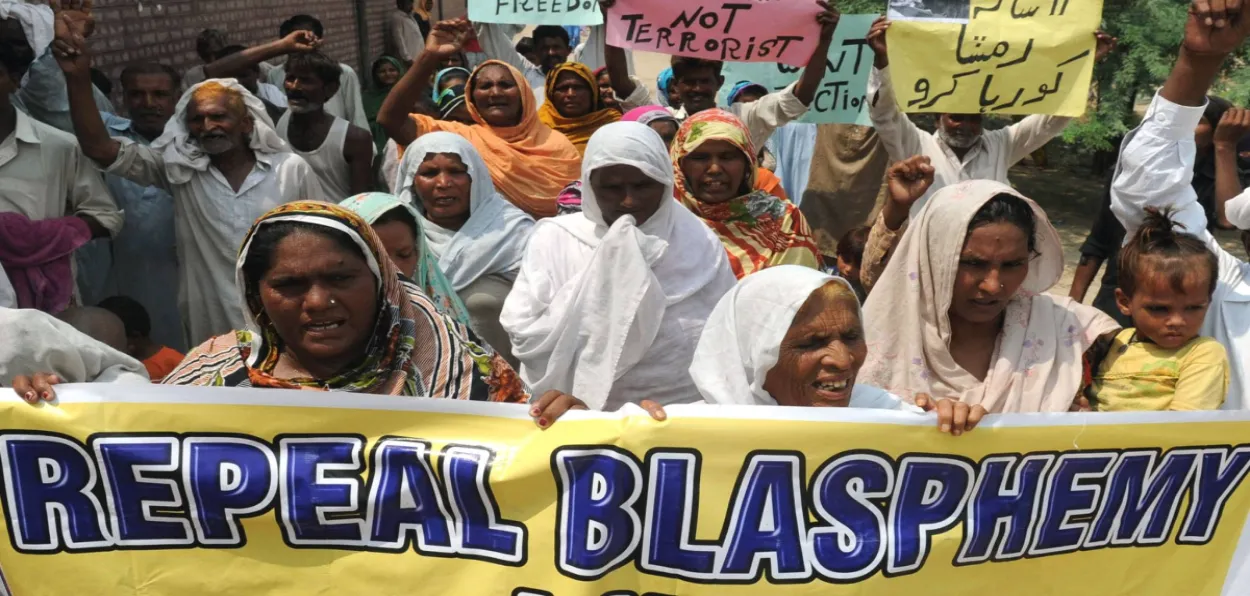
[{"x": 862, "y": 513}]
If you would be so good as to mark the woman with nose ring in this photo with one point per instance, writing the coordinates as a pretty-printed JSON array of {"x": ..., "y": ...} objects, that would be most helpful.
[
  {"x": 529, "y": 162},
  {"x": 716, "y": 165},
  {"x": 326, "y": 310},
  {"x": 960, "y": 310}
]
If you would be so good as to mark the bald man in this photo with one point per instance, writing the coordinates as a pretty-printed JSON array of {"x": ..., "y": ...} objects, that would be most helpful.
[{"x": 98, "y": 324}]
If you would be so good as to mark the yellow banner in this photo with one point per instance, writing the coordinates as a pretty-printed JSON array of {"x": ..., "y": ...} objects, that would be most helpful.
[
  {"x": 190, "y": 491},
  {"x": 1009, "y": 57}
]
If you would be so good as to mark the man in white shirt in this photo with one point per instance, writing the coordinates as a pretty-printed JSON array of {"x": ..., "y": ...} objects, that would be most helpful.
[
  {"x": 208, "y": 45},
  {"x": 345, "y": 104},
  {"x": 960, "y": 149},
  {"x": 339, "y": 152},
  {"x": 220, "y": 159},
  {"x": 43, "y": 175},
  {"x": 403, "y": 37},
  {"x": 1155, "y": 169}
]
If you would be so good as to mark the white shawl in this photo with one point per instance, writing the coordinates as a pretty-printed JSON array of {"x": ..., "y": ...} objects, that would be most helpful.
[
  {"x": 493, "y": 240},
  {"x": 1037, "y": 365},
  {"x": 600, "y": 311},
  {"x": 742, "y": 340},
  {"x": 182, "y": 154},
  {"x": 35, "y": 342}
]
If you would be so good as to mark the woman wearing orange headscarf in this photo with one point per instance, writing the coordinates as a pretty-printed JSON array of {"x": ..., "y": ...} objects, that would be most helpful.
[
  {"x": 716, "y": 172},
  {"x": 574, "y": 106},
  {"x": 528, "y": 161}
]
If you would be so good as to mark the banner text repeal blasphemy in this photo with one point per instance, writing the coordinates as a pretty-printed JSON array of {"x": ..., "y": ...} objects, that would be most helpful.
[{"x": 201, "y": 491}]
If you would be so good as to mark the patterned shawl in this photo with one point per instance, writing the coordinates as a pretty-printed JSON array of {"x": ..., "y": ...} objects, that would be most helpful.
[
  {"x": 578, "y": 129},
  {"x": 429, "y": 277},
  {"x": 414, "y": 350},
  {"x": 758, "y": 230}
]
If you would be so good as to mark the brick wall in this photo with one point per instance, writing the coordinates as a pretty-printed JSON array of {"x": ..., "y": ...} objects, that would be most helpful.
[{"x": 165, "y": 30}]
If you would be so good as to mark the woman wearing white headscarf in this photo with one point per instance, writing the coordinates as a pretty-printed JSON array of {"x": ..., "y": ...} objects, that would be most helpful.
[
  {"x": 793, "y": 336},
  {"x": 961, "y": 310},
  {"x": 610, "y": 301},
  {"x": 476, "y": 234}
]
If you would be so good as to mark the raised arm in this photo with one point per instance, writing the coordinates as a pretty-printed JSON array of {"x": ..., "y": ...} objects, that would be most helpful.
[
  {"x": 809, "y": 83},
  {"x": 907, "y": 181},
  {"x": 900, "y": 136},
  {"x": 497, "y": 45},
  {"x": 74, "y": 23},
  {"x": 445, "y": 39},
  {"x": 1233, "y": 126},
  {"x": 228, "y": 66},
  {"x": 1156, "y": 162}
]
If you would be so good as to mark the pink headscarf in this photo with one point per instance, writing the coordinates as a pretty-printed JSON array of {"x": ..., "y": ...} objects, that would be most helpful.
[{"x": 648, "y": 114}]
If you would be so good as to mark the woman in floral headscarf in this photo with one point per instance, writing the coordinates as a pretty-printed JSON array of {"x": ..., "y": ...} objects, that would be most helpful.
[
  {"x": 365, "y": 331},
  {"x": 716, "y": 172}
]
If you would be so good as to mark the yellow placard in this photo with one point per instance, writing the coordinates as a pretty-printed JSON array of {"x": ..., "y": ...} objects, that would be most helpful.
[
  {"x": 1010, "y": 57},
  {"x": 192, "y": 491}
]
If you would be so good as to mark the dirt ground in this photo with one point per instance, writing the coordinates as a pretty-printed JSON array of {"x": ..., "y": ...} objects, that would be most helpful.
[{"x": 1071, "y": 200}]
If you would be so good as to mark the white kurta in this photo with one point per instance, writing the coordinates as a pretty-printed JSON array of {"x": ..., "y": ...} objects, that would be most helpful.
[
  {"x": 1155, "y": 170},
  {"x": 989, "y": 159},
  {"x": 211, "y": 220},
  {"x": 403, "y": 37},
  {"x": 43, "y": 175},
  {"x": 345, "y": 104}
]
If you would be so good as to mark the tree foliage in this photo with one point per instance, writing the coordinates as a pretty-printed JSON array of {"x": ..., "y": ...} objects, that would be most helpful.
[{"x": 1150, "y": 33}]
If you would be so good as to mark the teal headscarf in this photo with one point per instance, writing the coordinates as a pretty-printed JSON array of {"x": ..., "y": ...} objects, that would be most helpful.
[
  {"x": 371, "y": 206},
  {"x": 438, "y": 79}
]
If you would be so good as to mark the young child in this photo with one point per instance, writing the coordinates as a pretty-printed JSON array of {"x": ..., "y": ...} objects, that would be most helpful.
[
  {"x": 851, "y": 256},
  {"x": 1166, "y": 282},
  {"x": 158, "y": 359}
]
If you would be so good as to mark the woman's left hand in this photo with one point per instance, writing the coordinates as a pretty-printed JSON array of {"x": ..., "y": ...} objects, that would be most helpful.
[{"x": 954, "y": 417}]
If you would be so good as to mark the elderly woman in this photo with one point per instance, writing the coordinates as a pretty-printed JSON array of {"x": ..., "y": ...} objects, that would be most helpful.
[
  {"x": 398, "y": 225},
  {"x": 529, "y": 162},
  {"x": 610, "y": 301},
  {"x": 960, "y": 310},
  {"x": 574, "y": 106},
  {"x": 327, "y": 311},
  {"x": 477, "y": 236},
  {"x": 716, "y": 175},
  {"x": 799, "y": 337}
]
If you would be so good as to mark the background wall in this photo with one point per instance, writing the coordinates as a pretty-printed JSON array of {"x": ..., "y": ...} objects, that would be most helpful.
[{"x": 165, "y": 30}]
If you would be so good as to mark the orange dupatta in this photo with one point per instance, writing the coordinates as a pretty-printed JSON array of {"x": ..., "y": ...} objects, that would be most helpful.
[
  {"x": 530, "y": 163},
  {"x": 578, "y": 130}
]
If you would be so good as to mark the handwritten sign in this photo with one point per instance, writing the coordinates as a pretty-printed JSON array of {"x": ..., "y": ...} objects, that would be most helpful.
[
  {"x": 536, "y": 12},
  {"x": 843, "y": 90},
  {"x": 781, "y": 31},
  {"x": 1012, "y": 57}
]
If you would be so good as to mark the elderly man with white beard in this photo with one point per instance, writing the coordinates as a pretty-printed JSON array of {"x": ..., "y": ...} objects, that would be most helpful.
[{"x": 220, "y": 159}]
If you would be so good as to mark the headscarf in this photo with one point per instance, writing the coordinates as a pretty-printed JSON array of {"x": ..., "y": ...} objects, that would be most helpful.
[
  {"x": 371, "y": 206},
  {"x": 36, "y": 21},
  {"x": 648, "y": 114},
  {"x": 757, "y": 229},
  {"x": 582, "y": 336},
  {"x": 741, "y": 342},
  {"x": 371, "y": 99},
  {"x": 414, "y": 350},
  {"x": 436, "y": 88},
  {"x": 1037, "y": 365},
  {"x": 743, "y": 86},
  {"x": 529, "y": 162},
  {"x": 577, "y": 129},
  {"x": 570, "y": 199},
  {"x": 451, "y": 98},
  {"x": 183, "y": 156},
  {"x": 492, "y": 241},
  {"x": 662, "y": 82}
]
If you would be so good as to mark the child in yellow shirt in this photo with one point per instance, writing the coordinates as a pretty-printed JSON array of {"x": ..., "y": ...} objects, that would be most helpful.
[{"x": 1166, "y": 282}]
